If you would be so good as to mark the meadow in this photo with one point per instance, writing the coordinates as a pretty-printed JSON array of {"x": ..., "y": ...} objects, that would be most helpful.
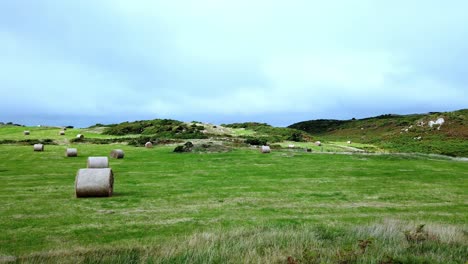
[{"x": 241, "y": 206}]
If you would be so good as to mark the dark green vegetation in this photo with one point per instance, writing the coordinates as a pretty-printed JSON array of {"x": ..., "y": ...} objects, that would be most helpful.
[
  {"x": 267, "y": 133},
  {"x": 399, "y": 133},
  {"x": 161, "y": 128}
]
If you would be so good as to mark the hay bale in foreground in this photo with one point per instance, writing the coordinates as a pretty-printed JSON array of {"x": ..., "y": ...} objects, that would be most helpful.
[
  {"x": 98, "y": 162},
  {"x": 265, "y": 149},
  {"x": 148, "y": 145},
  {"x": 71, "y": 152},
  {"x": 349, "y": 142},
  {"x": 318, "y": 143},
  {"x": 26, "y": 132},
  {"x": 80, "y": 136},
  {"x": 94, "y": 183},
  {"x": 38, "y": 147},
  {"x": 117, "y": 154},
  {"x": 62, "y": 133}
]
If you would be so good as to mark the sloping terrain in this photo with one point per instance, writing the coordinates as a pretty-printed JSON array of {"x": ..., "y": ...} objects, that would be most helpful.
[{"x": 399, "y": 133}]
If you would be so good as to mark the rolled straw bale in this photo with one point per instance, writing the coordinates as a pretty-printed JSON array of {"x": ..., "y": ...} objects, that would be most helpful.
[
  {"x": 148, "y": 145},
  {"x": 349, "y": 141},
  {"x": 26, "y": 132},
  {"x": 94, "y": 183},
  {"x": 318, "y": 143},
  {"x": 98, "y": 162},
  {"x": 265, "y": 149},
  {"x": 117, "y": 154},
  {"x": 62, "y": 133},
  {"x": 80, "y": 136},
  {"x": 71, "y": 152},
  {"x": 38, "y": 147},
  {"x": 291, "y": 146}
]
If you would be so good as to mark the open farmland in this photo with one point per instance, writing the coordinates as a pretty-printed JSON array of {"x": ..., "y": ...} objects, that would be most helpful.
[{"x": 241, "y": 206}]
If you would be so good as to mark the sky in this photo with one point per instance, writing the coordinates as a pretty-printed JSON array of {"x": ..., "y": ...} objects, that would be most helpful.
[{"x": 85, "y": 62}]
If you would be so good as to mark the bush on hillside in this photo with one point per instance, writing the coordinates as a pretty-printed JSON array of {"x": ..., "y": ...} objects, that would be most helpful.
[{"x": 256, "y": 141}]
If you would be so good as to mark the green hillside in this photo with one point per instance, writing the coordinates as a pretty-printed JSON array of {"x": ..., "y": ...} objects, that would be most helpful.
[{"x": 398, "y": 133}]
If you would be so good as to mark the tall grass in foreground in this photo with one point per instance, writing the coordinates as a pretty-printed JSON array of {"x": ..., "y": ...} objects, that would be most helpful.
[{"x": 388, "y": 242}]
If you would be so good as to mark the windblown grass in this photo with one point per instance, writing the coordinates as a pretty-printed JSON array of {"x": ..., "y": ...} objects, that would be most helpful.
[{"x": 233, "y": 207}]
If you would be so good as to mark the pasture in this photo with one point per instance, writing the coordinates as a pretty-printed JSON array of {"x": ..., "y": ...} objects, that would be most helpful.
[{"x": 242, "y": 206}]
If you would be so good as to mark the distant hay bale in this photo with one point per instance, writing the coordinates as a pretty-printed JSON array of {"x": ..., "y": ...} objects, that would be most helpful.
[
  {"x": 265, "y": 149},
  {"x": 38, "y": 147},
  {"x": 117, "y": 154},
  {"x": 318, "y": 143},
  {"x": 98, "y": 162},
  {"x": 291, "y": 146},
  {"x": 26, "y": 132},
  {"x": 148, "y": 145},
  {"x": 94, "y": 183},
  {"x": 71, "y": 152},
  {"x": 62, "y": 133},
  {"x": 349, "y": 142},
  {"x": 80, "y": 136}
]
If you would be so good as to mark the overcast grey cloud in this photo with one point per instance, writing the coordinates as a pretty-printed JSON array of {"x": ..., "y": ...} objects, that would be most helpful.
[{"x": 82, "y": 62}]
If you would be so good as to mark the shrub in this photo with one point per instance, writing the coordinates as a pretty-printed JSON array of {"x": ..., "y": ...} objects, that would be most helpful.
[
  {"x": 255, "y": 141},
  {"x": 187, "y": 147}
]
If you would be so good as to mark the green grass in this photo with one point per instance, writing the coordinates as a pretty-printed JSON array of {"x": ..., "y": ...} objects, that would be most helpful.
[
  {"x": 240, "y": 206},
  {"x": 16, "y": 133},
  {"x": 398, "y": 133}
]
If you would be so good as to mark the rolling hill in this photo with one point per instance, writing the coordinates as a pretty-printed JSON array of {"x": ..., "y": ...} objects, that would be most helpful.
[{"x": 399, "y": 133}]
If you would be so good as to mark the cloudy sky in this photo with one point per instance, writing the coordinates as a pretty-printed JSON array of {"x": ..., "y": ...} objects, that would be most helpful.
[{"x": 83, "y": 62}]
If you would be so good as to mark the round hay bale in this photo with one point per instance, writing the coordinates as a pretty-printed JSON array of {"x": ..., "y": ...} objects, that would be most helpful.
[
  {"x": 318, "y": 143},
  {"x": 71, "y": 152},
  {"x": 291, "y": 146},
  {"x": 38, "y": 147},
  {"x": 62, "y": 133},
  {"x": 148, "y": 145},
  {"x": 265, "y": 149},
  {"x": 26, "y": 132},
  {"x": 94, "y": 183},
  {"x": 98, "y": 162},
  {"x": 117, "y": 154},
  {"x": 349, "y": 142},
  {"x": 80, "y": 136}
]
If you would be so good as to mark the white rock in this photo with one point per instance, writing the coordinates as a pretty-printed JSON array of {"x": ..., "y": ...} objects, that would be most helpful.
[{"x": 440, "y": 121}]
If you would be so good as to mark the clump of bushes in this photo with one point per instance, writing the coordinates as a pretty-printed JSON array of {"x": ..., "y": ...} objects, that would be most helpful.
[
  {"x": 160, "y": 128},
  {"x": 256, "y": 141},
  {"x": 275, "y": 134},
  {"x": 187, "y": 147}
]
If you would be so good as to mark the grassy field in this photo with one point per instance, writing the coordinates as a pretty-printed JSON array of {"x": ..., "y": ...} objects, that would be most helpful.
[
  {"x": 16, "y": 133},
  {"x": 237, "y": 207}
]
